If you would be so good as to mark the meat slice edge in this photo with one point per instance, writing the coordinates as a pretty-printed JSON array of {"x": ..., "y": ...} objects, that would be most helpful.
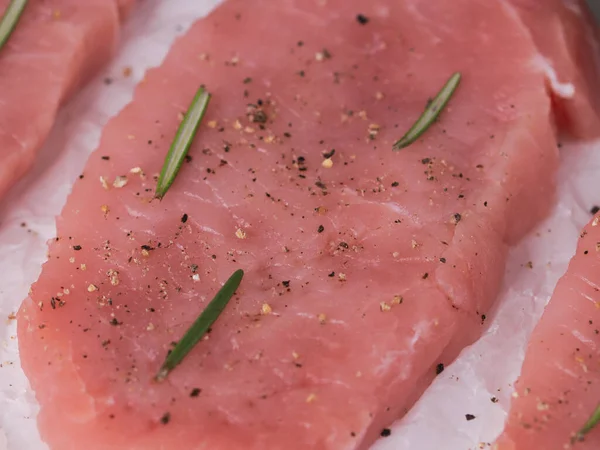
[
  {"x": 559, "y": 385},
  {"x": 57, "y": 46},
  {"x": 323, "y": 248},
  {"x": 569, "y": 43}
]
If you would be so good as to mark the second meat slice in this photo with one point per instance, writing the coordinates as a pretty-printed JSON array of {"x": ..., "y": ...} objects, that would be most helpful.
[
  {"x": 366, "y": 270},
  {"x": 57, "y": 45}
]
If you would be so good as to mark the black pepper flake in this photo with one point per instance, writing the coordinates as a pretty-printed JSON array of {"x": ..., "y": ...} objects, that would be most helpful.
[
  {"x": 443, "y": 260},
  {"x": 286, "y": 283},
  {"x": 259, "y": 116},
  {"x": 494, "y": 399},
  {"x": 395, "y": 184},
  {"x": 114, "y": 322},
  {"x": 77, "y": 247},
  {"x": 594, "y": 209},
  {"x": 329, "y": 154},
  {"x": 195, "y": 392},
  {"x": 385, "y": 432},
  {"x": 105, "y": 158},
  {"x": 439, "y": 368},
  {"x": 320, "y": 229},
  {"x": 166, "y": 418},
  {"x": 456, "y": 218},
  {"x": 362, "y": 19},
  {"x": 331, "y": 275},
  {"x": 425, "y": 275},
  {"x": 247, "y": 80},
  {"x": 184, "y": 218},
  {"x": 469, "y": 416}
]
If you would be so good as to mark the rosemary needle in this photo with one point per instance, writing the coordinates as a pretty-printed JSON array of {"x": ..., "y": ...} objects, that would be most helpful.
[
  {"x": 193, "y": 335},
  {"x": 592, "y": 422},
  {"x": 181, "y": 143},
  {"x": 431, "y": 112},
  {"x": 10, "y": 19}
]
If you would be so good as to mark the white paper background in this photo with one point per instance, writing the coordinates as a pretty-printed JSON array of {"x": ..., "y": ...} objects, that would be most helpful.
[{"x": 485, "y": 370}]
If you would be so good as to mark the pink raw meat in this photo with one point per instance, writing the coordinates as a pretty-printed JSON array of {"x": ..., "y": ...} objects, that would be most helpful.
[
  {"x": 565, "y": 34},
  {"x": 362, "y": 279},
  {"x": 57, "y": 45},
  {"x": 559, "y": 386},
  {"x": 125, "y": 7}
]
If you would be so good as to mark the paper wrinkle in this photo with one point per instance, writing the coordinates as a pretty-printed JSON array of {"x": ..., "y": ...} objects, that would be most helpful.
[{"x": 485, "y": 370}]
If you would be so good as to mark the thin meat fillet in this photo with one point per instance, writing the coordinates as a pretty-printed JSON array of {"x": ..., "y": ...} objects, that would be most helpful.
[
  {"x": 566, "y": 36},
  {"x": 364, "y": 273},
  {"x": 559, "y": 386},
  {"x": 57, "y": 45}
]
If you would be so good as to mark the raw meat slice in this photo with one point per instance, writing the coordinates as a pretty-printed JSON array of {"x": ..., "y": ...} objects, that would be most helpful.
[
  {"x": 565, "y": 34},
  {"x": 57, "y": 45},
  {"x": 125, "y": 7},
  {"x": 362, "y": 278},
  {"x": 559, "y": 386}
]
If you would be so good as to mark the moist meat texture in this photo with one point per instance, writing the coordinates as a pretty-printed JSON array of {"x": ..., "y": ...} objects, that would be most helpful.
[
  {"x": 365, "y": 268},
  {"x": 56, "y": 46},
  {"x": 568, "y": 41},
  {"x": 559, "y": 386}
]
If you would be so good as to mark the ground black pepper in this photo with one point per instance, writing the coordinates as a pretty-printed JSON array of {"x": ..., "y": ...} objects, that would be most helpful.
[
  {"x": 195, "y": 392},
  {"x": 362, "y": 19},
  {"x": 329, "y": 154}
]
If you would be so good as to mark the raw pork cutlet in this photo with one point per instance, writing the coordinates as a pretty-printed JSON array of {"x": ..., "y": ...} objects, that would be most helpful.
[
  {"x": 559, "y": 386},
  {"x": 57, "y": 45},
  {"x": 566, "y": 36},
  {"x": 364, "y": 275}
]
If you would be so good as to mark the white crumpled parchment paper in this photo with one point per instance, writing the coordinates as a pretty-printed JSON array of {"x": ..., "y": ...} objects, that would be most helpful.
[{"x": 485, "y": 370}]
